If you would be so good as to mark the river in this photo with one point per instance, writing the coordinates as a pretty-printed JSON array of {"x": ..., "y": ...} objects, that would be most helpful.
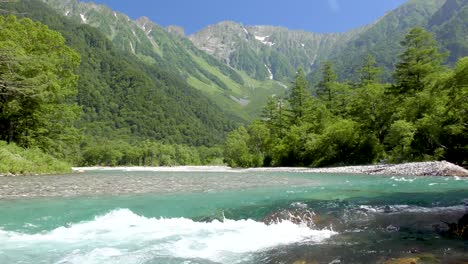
[{"x": 150, "y": 216}]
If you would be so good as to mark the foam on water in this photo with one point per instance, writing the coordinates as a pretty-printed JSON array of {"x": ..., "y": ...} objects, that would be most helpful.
[
  {"x": 403, "y": 179},
  {"x": 124, "y": 237},
  {"x": 410, "y": 209}
]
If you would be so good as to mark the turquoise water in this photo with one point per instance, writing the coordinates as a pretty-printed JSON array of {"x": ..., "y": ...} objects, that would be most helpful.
[{"x": 219, "y": 217}]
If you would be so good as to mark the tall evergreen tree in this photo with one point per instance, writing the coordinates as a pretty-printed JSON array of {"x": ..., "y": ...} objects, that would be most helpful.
[
  {"x": 324, "y": 87},
  {"x": 274, "y": 115},
  {"x": 299, "y": 96},
  {"x": 420, "y": 59},
  {"x": 369, "y": 72}
]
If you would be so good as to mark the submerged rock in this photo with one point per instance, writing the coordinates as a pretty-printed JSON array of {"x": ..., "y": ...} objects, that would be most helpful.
[
  {"x": 402, "y": 261},
  {"x": 459, "y": 229},
  {"x": 305, "y": 262}
]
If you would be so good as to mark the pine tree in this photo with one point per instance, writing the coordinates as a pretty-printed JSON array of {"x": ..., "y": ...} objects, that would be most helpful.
[
  {"x": 324, "y": 89},
  {"x": 299, "y": 95},
  {"x": 369, "y": 73},
  {"x": 420, "y": 59}
]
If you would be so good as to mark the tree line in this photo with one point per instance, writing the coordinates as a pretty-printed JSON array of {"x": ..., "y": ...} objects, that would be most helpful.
[{"x": 421, "y": 116}]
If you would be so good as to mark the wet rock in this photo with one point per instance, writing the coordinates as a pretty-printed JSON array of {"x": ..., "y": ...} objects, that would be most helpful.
[
  {"x": 392, "y": 228},
  {"x": 418, "y": 258},
  {"x": 402, "y": 261},
  {"x": 457, "y": 230},
  {"x": 305, "y": 262},
  {"x": 300, "y": 262}
]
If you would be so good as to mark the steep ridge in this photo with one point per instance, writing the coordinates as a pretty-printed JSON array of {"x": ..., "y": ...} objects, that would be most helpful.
[
  {"x": 383, "y": 38},
  {"x": 266, "y": 51},
  {"x": 450, "y": 24}
]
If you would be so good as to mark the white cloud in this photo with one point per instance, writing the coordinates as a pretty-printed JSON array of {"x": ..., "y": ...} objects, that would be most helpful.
[{"x": 334, "y": 5}]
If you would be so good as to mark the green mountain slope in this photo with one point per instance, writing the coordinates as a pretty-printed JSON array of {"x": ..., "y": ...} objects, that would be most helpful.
[
  {"x": 124, "y": 98},
  {"x": 383, "y": 38},
  {"x": 450, "y": 24},
  {"x": 155, "y": 45}
]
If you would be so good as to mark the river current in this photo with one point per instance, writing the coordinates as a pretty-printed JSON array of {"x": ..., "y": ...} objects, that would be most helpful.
[{"x": 151, "y": 216}]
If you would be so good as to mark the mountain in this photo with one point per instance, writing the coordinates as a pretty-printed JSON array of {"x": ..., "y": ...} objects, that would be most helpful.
[
  {"x": 123, "y": 98},
  {"x": 169, "y": 48},
  {"x": 382, "y": 39},
  {"x": 237, "y": 66},
  {"x": 450, "y": 24},
  {"x": 265, "y": 51}
]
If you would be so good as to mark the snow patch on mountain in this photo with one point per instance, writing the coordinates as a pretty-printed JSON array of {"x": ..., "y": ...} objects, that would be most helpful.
[
  {"x": 283, "y": 85},
  {"x": 264, "y": 41},
  {"x": 83, "y": 18},
  {"x": 269, "y": 71},
  {"x": 241, "y": 101},
  {"x": 313, "y": 60}
]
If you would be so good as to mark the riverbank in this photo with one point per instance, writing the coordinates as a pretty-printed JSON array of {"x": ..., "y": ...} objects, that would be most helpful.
[
  {"x": 15, "y": 160},
  {"x": 432, "y": 168}
]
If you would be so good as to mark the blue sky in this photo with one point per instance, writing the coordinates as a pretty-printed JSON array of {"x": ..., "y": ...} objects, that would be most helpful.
[{"x": 309, "y": 15}]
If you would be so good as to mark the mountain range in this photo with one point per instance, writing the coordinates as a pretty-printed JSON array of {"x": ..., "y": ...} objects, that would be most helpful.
[{"x": 141, "y": 80}]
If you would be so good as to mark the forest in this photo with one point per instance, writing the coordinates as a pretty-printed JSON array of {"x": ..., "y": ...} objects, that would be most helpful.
[
  {"x": 68, "y": 96},
  {"x": 420, "y": 116}
]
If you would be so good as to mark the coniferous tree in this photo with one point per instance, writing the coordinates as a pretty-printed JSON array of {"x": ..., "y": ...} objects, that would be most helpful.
[
  {"x": 324, "y": 87},
  {"x": 299, "y": 96},
  {"x": 420, "y": 59},
  {"x": 369, "y": 72},
  {"x": 274, "y": 116}
]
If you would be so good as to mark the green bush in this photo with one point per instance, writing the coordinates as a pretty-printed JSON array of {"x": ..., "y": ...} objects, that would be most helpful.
[{"x": 17, "y": 160}]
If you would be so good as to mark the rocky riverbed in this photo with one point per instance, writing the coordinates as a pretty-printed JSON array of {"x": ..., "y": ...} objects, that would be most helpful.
[{"x": 432, "y": 168}]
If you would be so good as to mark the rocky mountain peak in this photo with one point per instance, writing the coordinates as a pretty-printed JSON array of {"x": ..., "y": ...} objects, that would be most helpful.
[{"x": 176, "y": 30}]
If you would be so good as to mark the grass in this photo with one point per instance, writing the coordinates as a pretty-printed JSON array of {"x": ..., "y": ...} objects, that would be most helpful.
[
  {"x": 18, "y": 160},
  {"x": 256, "y": 91}
]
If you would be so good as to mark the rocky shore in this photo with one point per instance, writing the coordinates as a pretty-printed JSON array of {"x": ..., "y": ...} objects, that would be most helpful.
[{"x": 432, "y": 168}]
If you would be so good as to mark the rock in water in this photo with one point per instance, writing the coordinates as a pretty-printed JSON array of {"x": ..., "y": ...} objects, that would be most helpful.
[
  {"x": 295, "y": 215},
  {"x": 402, "y": 261},
  {"x": 458, "y": 230},
  {"x": 463, "y": 227}
]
